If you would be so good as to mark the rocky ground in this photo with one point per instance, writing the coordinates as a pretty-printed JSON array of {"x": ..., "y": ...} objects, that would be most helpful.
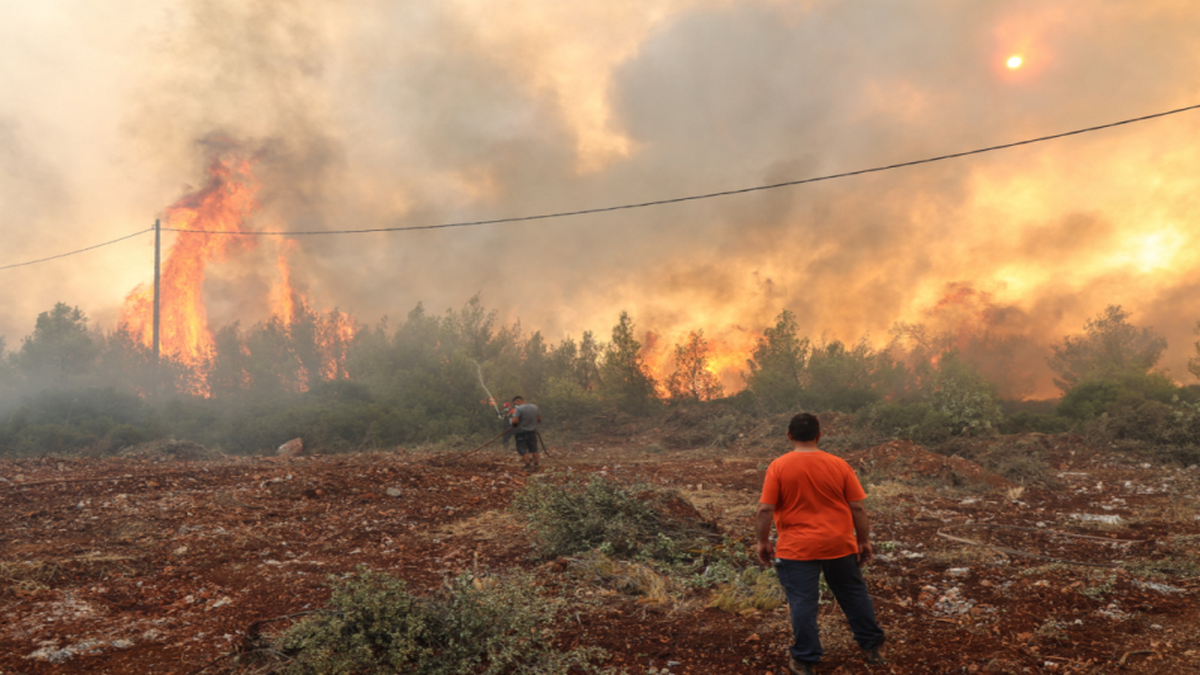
[{"x": 164, "y": 560}]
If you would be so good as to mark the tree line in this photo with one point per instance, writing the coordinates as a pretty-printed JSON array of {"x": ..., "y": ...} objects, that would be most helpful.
[{"x": 70, "y": 387}]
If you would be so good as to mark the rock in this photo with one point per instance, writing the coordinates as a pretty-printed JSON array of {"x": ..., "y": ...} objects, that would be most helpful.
[
  {"x": 394, "y": 492},
  {"x": 293, "y": 448}
]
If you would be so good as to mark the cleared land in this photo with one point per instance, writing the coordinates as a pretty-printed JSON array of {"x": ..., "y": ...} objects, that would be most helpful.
[{"x": 164, "y": 561}]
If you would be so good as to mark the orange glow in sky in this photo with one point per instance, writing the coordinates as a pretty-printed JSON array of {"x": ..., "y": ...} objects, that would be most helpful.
[{"x": 1014, "y": 61}]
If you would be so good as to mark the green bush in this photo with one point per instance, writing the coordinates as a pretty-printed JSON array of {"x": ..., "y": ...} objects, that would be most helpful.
[
  {"x": 966, "y": 399},
  {"x": 374, "y": 624},
  {"x": 1024, "y": 422},
  {"x": 919, "y": 422},
  {"x": 1091, "y": 398},
  {"x": 566, "y": 400},
  {"x": 571, "y": 514}
]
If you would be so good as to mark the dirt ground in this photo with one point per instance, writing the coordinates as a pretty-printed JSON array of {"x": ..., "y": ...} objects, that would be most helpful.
[{"x": 162, "y": 561}]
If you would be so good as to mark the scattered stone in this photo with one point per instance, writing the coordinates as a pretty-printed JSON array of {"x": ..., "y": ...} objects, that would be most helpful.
[
  {"x": 293, "y": 448},
  {"x": 1097, "y": 518},
  {"x": 51, "y": 653},
  {"x": 1155, "y": 586}
]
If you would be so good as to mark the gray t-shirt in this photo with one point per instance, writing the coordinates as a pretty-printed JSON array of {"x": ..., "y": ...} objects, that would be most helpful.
[{"x": 526, "y": 415}]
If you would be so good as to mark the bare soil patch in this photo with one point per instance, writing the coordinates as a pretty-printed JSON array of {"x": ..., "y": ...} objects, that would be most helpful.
[{"x": 160, "y": 562}]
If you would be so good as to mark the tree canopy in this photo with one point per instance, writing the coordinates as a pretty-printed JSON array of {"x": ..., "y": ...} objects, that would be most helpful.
[{"x": 1110, "y": 348}]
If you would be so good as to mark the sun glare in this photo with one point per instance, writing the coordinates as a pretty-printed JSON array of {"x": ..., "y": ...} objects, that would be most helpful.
[
  {"x": 1155, "y": 251},
  {"x": 1015, "y": 61}
]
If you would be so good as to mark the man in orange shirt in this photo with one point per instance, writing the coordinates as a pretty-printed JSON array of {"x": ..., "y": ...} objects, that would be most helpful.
[{"x": 815, "y": 501}]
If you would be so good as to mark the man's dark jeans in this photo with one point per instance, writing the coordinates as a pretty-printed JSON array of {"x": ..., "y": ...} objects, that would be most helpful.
[{"x": 800, "y": 581}]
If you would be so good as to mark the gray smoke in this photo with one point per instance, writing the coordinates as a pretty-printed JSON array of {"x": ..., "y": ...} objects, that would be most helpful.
[{"x": 379, "y": 114}]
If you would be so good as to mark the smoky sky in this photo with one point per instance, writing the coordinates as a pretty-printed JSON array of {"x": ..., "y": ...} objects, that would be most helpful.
[{"x": 378, "y": 114}]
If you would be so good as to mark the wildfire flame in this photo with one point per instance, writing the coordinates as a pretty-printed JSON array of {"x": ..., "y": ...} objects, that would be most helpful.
[
  {"x": 224, "y": 205},
  {"x": 726, "y": 356}
]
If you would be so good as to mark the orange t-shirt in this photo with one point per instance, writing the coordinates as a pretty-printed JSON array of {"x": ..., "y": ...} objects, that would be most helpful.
[{"x": 811, "y": 492}]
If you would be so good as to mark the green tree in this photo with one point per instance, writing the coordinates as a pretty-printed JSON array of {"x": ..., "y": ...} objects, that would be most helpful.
[
  {"x": 124, "y": 362},
  {"x": 777, "y": 364},
  {"x": 534, "y": 365},
  {"x": 692, "y": 380},
  {"x": 837, "y": 378},
  {"x": 227, "y": 372},
  {"x": 587, "y": 368},
  {"x": 1110, "y": 348},
  {"x": 369, "y": 358},
  {"x": 577, "y": 363},
  {"x": 1091, "y": 398},
  {"x": 272, "y": 365},
  {"x": 623, "y": 377},
  {"x": 1194, "y": 362},
  {"x": 966, "y": 399},
  {"x": 60, "y": 347}
]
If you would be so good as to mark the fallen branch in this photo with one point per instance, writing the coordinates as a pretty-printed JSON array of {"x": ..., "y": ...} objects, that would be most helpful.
[
  {"x": 1140, "y": 652},
  {"x": 99, "y": 479},
  {"x": 1026, "y": 554}
]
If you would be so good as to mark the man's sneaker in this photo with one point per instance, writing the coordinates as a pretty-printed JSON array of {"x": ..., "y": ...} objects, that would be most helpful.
[
  {"x": 527, "y": 466},
  {"x": 800, "y": 667},
  {"x": 873, "y": 657}
]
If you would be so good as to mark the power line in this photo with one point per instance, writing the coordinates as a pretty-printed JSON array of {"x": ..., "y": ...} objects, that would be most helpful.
[
  {"x": 638, "y": 205},
  {"x": 89, "y": 248},
  {"x": 708, "y": 195}
]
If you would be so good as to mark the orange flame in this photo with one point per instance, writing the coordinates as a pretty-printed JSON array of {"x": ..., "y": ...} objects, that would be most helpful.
[
  {"x": 726, "y": 356},
  {"x": 221, "y": 206},
  {"x": 224, "y": 205},
  {"x": 283, "y": 297}
]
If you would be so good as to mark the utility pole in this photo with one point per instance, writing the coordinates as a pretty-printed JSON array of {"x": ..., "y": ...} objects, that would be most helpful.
[{"x": 157, "y": 290}]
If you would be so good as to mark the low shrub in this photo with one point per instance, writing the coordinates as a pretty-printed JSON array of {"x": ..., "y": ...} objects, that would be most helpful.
[
  {"x": 1024, "y": 422},
  {"x": 374, "y": 624},
  {"x": 571, "y": 514},
  {"x": 919, "y": 422}
]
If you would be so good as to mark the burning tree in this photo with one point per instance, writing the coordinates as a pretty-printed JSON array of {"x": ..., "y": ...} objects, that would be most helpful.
[
  {"x": 692, "y": 381},
  {"x": 292, "y": 349}
]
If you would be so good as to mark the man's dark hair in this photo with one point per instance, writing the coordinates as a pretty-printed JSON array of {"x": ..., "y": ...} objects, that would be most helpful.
[
  {"x": 518, "y": 398},
  {"x": 804, "y": 427}
]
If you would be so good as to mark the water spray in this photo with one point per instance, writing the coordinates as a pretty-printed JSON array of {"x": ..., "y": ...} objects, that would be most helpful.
[{"x": 491, "y": 399}]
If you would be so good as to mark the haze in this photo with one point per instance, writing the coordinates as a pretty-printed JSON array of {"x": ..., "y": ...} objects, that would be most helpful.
[{"x": 381, "y": 114}]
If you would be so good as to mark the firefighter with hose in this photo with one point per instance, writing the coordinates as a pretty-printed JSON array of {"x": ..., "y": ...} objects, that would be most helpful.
[{"x": 525, "y": 419}]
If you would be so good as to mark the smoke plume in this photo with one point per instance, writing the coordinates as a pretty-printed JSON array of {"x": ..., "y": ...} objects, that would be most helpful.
[{"x": 377, "y": 114}]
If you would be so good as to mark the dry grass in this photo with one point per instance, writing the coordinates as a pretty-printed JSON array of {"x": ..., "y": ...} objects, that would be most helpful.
[
  {"x": 28, "y": 576},
  {"x": 631, "y": 578},
  {"x": 1180, "y": 512},
  {"x": 486, "y": 526},
  {"x": 967, "y": 555},
  {"x": 754, "y": 591},
  {"x": 20, "y": 577},
  {"x": 885, "y": 497}
]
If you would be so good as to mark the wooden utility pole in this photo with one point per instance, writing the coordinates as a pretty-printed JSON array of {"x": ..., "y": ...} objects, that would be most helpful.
[{"x": 157, "y": 288}]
